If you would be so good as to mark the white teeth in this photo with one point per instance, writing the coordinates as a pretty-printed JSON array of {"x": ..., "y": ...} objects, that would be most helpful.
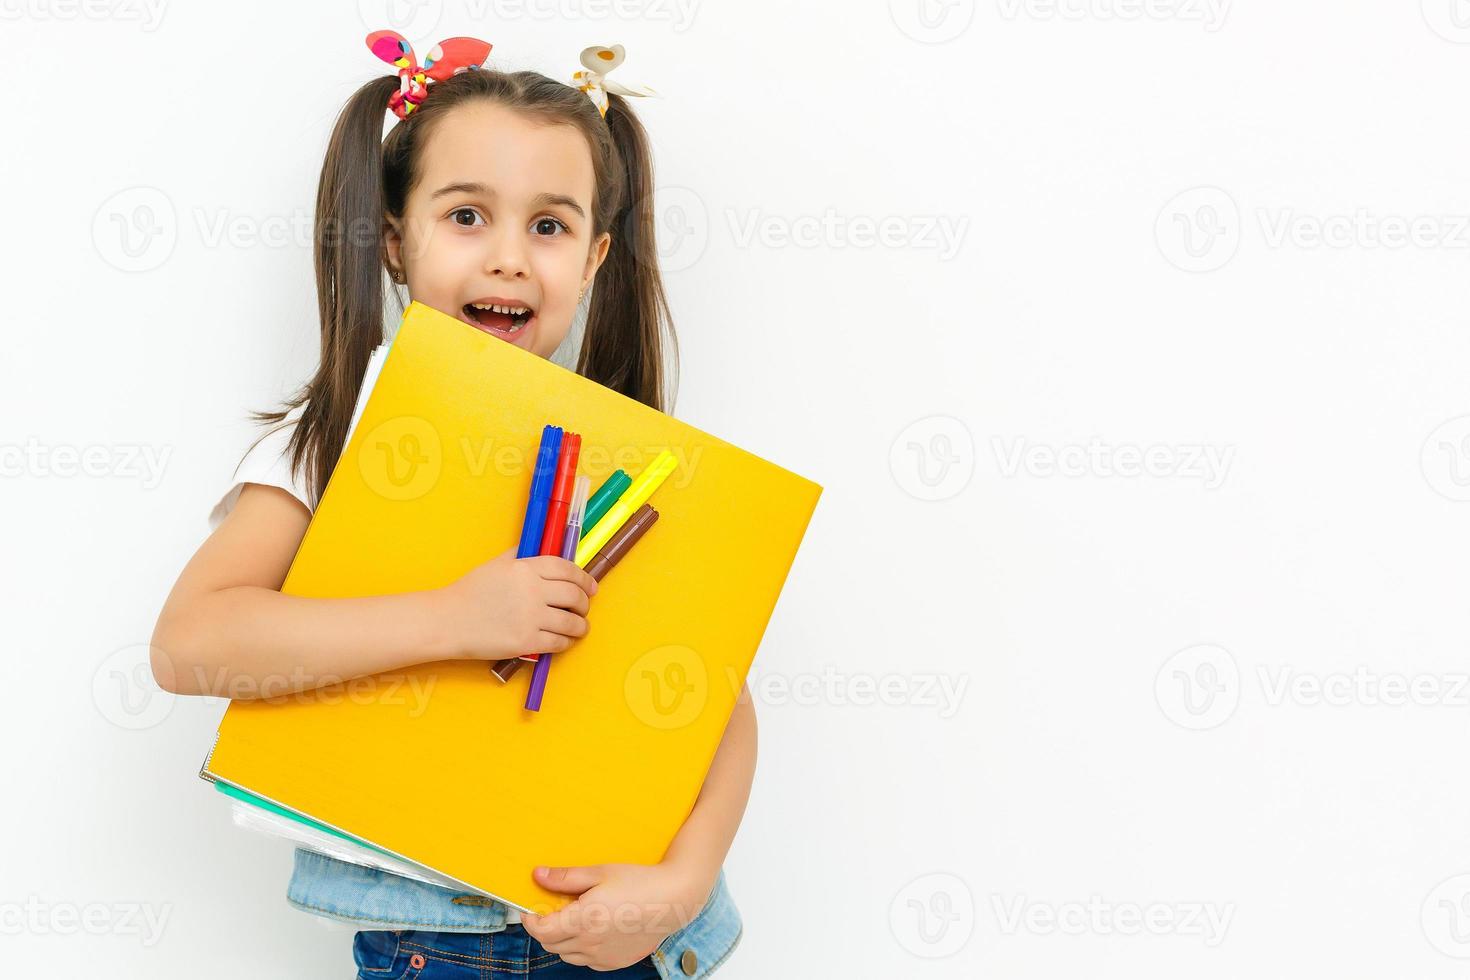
[{"x": 497, "y": 308}]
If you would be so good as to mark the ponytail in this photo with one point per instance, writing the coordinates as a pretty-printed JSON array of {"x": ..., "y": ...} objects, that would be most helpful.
[{"x": 629, "y": 319}]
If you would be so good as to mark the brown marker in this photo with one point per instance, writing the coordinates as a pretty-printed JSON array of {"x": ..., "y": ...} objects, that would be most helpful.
[
  {"x": 622, "y": 542},
  {"x": 603, "y": 562}
]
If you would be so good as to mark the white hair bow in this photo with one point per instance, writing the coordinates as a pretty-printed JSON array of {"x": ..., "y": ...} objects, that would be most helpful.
[{"x": 594, "y": 81}]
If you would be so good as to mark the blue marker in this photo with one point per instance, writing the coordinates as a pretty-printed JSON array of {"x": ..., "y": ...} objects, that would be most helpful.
[{"x": 541, "y": 481}]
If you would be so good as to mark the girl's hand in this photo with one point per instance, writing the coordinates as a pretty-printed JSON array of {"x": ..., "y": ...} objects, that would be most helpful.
[
  {"x": 511, "y": 606},
  {"x": 623, "y": 913}
]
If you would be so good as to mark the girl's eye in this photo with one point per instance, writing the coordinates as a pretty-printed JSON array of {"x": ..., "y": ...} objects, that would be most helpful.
[
  {"x": 457, "y": 212},
  {"x": 549, "y": 226}
]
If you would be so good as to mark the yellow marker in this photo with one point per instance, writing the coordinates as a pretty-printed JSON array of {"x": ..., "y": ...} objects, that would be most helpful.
[{"x": 636, "y": 496}]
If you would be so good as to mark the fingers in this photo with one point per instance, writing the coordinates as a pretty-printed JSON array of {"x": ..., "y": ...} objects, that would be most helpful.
[
  {"x": 547, "y": 930},
  {"x": 570, "y": 950},
  {"x": 570, "y": 880},
  {"x": 548, "y": 642},
  {"x": 567, "y": 596},
  {"x": 557, "y": 929},
  {"x": 559, "y": 629},
  {"x": 551, "y": 567},
  {"x": 570, "y": 625}
]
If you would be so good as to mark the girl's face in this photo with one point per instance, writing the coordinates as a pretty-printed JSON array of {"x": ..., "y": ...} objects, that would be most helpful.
[{"x": 498, "y": 230}]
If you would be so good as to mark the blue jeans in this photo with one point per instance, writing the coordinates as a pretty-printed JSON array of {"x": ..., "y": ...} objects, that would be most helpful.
[{"x": 412, "y": 954}]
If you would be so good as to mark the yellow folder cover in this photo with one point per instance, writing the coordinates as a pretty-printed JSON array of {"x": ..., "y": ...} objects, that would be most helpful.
[{"x": 434, "y": 762}]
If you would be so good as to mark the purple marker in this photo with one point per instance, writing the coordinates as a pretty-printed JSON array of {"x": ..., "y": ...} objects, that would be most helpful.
[{"x": 569, "y": 542}]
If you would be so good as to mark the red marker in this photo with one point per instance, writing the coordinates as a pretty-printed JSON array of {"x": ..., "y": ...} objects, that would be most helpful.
[{"x": 561, "y": 494}]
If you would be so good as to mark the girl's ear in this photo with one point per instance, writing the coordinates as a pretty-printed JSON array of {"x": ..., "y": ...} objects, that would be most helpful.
[
  {"x": 596, "y": 256},
  {"x": 393, "y": 244}
]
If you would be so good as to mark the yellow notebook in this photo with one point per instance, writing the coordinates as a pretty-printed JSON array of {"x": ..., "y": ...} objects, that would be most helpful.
[{"x": 435, "y": 762}]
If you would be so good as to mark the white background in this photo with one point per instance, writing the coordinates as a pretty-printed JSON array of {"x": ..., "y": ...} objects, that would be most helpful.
[{"x": 1228, "y": 232}]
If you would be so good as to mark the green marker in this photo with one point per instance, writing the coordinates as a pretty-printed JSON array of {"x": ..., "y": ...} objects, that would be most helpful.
[{"x": 606, "y": 495}]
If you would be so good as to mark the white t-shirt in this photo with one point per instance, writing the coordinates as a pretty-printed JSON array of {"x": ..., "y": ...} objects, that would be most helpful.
[{"x": 269, "y": 463}]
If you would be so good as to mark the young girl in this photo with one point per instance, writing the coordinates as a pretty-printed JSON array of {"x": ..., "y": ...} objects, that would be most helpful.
[{"x": 498, "y": 198}]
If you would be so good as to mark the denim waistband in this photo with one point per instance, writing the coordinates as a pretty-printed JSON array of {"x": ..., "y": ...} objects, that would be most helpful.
[
  {"x": 378, "y": 900},
  {"x": 373, "y": 899}
]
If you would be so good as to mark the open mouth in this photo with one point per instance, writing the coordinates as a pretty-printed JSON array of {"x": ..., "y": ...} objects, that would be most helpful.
[{"x": 504, "y": 320}]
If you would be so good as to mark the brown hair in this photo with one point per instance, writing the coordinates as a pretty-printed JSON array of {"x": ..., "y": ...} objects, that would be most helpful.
[{"x": 366, "y": 177}]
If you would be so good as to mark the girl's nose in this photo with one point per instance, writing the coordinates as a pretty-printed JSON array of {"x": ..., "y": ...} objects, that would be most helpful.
[{"x": 507, "y": 256}]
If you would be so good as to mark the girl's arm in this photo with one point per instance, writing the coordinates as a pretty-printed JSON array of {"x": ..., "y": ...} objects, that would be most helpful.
[
  {"x": 226, "y": 630},
  {"x": 700, "y": 847}
]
